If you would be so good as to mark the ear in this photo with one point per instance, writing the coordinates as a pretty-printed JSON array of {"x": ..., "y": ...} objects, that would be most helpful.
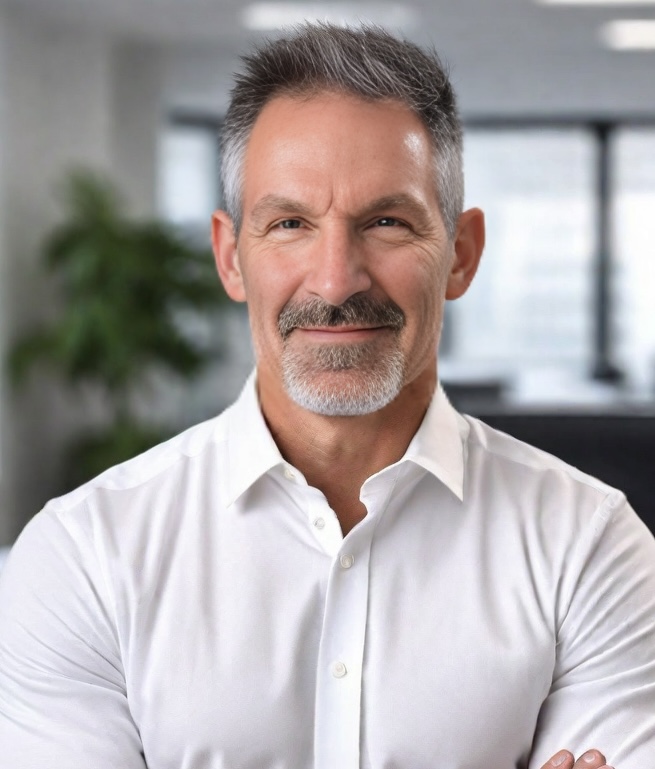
[
  {"x": 468, "y": 246},
  {"x": 224, "y": 243}
]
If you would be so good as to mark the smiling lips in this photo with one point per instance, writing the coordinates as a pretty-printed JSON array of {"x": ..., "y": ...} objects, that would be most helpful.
[{"x": 344, "y": 333}]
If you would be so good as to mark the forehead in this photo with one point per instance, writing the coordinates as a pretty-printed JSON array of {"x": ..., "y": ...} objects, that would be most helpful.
[{"x": 338, "y": 140}]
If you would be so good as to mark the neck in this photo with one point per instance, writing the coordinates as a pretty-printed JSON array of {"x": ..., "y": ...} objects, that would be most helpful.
[{"x": 337, "y": 454}]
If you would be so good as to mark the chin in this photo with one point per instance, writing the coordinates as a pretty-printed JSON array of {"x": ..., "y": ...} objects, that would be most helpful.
[{"x": 346, "y": 392}]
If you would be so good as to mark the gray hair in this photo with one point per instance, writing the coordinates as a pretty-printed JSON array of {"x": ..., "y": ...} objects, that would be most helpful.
[{"x": 365, "y": 61}]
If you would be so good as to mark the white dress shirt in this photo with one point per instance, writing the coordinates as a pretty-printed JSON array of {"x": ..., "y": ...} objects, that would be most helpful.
[{"x": 199, "y": 608}]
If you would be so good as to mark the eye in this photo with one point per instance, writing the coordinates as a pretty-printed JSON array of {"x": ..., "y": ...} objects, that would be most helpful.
[
  {"x": 289, "y": 224},
  {"x": 388, "y": 221}
]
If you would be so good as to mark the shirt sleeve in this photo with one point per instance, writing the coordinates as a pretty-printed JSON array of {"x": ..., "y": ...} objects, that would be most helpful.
[
  {"x": 603, "y": 688},
  {"x": 63, "y": 697}
]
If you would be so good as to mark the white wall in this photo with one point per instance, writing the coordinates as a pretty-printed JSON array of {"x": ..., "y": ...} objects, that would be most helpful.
[
  {"x": 65, "y": 99},
  {"x": 136, "y": 113}
]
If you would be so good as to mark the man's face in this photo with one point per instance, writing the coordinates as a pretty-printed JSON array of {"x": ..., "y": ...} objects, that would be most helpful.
[{"x": 343, "y": 256}]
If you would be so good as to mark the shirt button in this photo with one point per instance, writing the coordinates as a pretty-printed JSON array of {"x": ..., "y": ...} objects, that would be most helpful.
[
  {"x": 338, "y": 669},
  {"x": 346, "y": 560},
  {"x": 288, "y": 472},
  {"x": 319, "y": 523}
]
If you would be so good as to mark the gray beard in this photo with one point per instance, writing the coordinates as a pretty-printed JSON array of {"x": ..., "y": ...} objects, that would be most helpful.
[{"x": 343, "y": 380}]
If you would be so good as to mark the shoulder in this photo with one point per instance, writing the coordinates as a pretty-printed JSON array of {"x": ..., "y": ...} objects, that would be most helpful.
[
  {"x": 559, "y": 511},
  {"x": 498, "y": 458},
  {"x": 148, "y": 471},
  {"x": 126, "y": 512},
  {"x": 575, "y": 535},
  {"x": 143, "y": 492}
]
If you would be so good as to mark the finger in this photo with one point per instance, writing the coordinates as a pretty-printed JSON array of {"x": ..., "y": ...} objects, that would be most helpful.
[
  {"x": 591, "y": 759},
  {"x": 562, "y": 760}
]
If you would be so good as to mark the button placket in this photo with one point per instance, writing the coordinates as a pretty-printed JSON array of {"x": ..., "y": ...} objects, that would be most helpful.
[
  {"x": 323, "y": 522},
  {"x": 341, "y": 656}
]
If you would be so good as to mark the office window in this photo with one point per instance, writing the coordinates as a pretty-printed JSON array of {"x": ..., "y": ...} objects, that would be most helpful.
[
  {"x": 530, "y": 304},
  {"x": 189, "y": 187},
  {"x": 633, "y": 243},
  {"x": 189, "y": 194}
]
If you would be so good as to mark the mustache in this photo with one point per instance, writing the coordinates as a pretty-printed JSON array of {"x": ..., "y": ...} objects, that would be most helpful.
[{"x": 356, "y": 310}]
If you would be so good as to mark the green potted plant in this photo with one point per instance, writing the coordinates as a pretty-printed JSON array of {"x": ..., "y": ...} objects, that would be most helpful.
[{"x": 124, "y": 288}]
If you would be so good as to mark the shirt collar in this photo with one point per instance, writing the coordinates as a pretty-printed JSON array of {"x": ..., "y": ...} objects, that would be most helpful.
[
  {"x": 251, "y": 450},
  {"x": 438, "y": 445}
]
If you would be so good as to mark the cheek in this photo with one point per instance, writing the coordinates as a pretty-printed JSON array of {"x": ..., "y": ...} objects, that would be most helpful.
[
  {"x": 424, "y": 296},
  {"x": 258, "y": 311},
  {"x": 270, "y": 282},
  {"x": 424, "y": 309},
  {"x": 429, "y": 313},
  {"x": 265, "y": 302}
]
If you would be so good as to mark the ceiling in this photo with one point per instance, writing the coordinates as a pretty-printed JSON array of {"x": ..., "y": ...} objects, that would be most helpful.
[
  {"x": 521, "y": 24},
  {"x": 506, "y": 55}
]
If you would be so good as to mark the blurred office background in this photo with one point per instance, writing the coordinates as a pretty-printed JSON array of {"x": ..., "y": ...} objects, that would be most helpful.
[{"x": 556, "y": 339}]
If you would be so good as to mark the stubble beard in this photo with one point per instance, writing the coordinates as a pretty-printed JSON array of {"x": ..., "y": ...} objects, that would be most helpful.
[{"x": 350, "y": 379}]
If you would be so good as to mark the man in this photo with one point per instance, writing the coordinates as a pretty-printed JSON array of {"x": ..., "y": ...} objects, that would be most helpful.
[{"x": 340, "y": 571}]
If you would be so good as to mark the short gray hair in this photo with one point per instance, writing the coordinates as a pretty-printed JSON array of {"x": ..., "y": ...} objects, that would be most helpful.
[{"x": 364, "y": 61}]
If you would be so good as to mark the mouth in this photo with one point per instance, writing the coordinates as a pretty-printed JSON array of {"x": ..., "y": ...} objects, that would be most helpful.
[{"x": 338, "y": 334}]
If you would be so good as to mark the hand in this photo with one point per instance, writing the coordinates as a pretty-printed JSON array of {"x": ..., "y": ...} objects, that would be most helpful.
[{"x": 592, "y": 759}]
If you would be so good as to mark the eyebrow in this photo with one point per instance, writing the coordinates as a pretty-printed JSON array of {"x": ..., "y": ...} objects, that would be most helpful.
[
  {"x": 399, "y": 201},
  {"x": 275, "y": 204}
]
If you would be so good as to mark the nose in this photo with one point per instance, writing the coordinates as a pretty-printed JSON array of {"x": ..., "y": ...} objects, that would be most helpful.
[{"x": 338, "y": 267}]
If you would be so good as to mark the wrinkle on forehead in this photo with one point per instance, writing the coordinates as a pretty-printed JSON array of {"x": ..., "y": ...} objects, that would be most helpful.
[{"x": 335, "y": 153}]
